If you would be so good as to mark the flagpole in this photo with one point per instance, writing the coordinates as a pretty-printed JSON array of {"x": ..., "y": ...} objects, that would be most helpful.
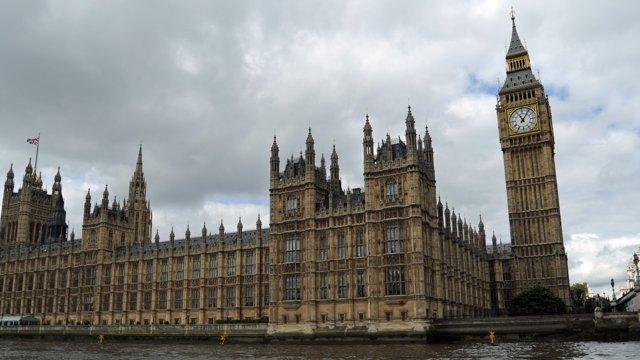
[{"x": 37, "y": 149}]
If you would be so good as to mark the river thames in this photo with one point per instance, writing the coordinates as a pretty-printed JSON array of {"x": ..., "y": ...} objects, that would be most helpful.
[{"x": 85, "y": 349}]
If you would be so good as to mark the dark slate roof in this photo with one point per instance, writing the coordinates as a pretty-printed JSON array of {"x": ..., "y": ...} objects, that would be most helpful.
[
  {"x": 294, "y": 168},
  {"x": 390, "y": 150},
  {"x": 519, "y": 80},
  {"x": 515, "y": 47}
]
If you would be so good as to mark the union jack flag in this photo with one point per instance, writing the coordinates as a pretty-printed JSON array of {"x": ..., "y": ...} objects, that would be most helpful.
[{"x": 34, "y": 141}]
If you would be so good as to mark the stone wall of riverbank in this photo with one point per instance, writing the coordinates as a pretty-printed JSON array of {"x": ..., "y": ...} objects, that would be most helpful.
[{"x": 611, "y": 326}]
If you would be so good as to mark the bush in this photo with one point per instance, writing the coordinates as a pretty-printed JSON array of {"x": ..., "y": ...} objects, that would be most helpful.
[{"x": 537, "y": 300}]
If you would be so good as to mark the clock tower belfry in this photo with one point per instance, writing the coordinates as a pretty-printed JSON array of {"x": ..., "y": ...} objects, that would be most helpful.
[{"x": 526, "y": 137}]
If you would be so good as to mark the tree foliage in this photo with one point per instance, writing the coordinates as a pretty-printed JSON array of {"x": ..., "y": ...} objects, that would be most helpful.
[
  {"x": 579, "y": 293},
  {"x": 537, "y": 300}
]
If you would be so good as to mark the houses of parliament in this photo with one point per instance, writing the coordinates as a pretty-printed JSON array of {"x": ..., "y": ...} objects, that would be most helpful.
[{"x": 388, "y": 256}]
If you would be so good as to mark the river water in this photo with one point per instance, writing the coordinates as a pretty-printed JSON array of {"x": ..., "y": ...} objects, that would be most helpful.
[{"x": 116, "y": 350}]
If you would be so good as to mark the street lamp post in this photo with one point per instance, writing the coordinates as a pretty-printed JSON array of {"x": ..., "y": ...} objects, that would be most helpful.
[
  {"x": 635, "y": 261},
  {"x": 613, "y": 289}
]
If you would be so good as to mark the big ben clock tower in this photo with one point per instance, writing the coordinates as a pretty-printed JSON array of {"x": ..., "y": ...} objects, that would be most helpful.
[{"x": 526, "y": 137}]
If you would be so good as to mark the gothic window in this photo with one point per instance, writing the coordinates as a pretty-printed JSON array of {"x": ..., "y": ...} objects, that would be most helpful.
[
  {"x": 211, "y": 297},
  {"x": 122, "y": 239},
  {"x": 93, "y": 236},
  {"x": 164, "y": 270},
  {"x": 324, "y": 286},
  {"x": 90, "y": 276},
  {"x": 248, "y": 263},
  {"x": 110, "y": 239},
  {"x": 104, "y": 303},
  {"x": 248, "y": 295},
  {"x": 292, "y": 204},
  {"x": 133, "y": 300},
  {"x": 360, "y": 243},
  {"x": 342, "y": 246},
  {"x": 63, "y": 279},
  {"x": 292, "y": 250},
  {"x": 162, "y": 299},
  {"x": 391, "y": 190},
  {"x": 118, "y": 302},
  {"x": 342, "y": 285},
  {"x": 195, "y": 298},
  {"x": 177, "y": 299},
  {"x": 147, "y": 300},
  {"x": 324, "y": 247},
  {"x": 134, "y": 272},
  {"x": 88, "y": 303},
  {"x": 179, "y": 275},
  {"x": 393, "y": 241},
  {"x": 292, "y": 287},
  {"x": 213, "y": 266},
  {"x": 265, "y": 295},
  {"x": 195, "y": 267},
  {"x": 231, "y": 264},
  {"x": 394, "y": 281},
  {"x": 106, "y": 275},
  {"x": 61, "y": 304},
  {"x": 149, "y": 272},
  {"x": 231, "y": 296},
  {"x": 360, "y": 284}
]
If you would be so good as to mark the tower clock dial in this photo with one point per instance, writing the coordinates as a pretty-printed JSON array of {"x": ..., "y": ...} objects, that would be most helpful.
[{"x": 523, "y": 120}]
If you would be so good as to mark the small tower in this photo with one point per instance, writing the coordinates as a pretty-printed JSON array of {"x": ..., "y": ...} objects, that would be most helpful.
[
  {"x": 239, "y": 233},
  {"x": 367, "y": 142},
  {"x": 105, "y": 199},
  {"x": 275, "y": 161},
  {"x": 310, "y": 157},
  {"x": 8, "y": 184},
  {"x": 187, "y": 235},
  {"x": 221, "y": 232},
  {"x": 87, "y": 204},
  {"x": 157, "y": 237},
  {"x": 204, "y": 232},
  {"x": 172, "y": 237},
  {"x": 335, "y": 169},
  {"x": 410, "y": 134}
]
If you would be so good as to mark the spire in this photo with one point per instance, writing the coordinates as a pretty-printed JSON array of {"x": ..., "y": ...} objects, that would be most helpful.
[
  {"x": 8, "y": 185},
  {"x": 139, "y": 163},
  {"x": 204, "y": 231},
  {"x": 29, "y": 169},
  {"x": 258, "y": 223},
  {"x": 515, "y": 46},
  {"x": 10, "y": 172},
  {"x": 221, "y": 228},
  {"x": 334, "y": 168},
  {"x": 187, "y": 234},
  {"x": 239, "y": 224},
  {"x": 275, "y": 161},
  {"x": 172, "y": 235},
  {"x": 494, "y": 241},
  {"x": 57, "y": 178},
  {"x": 157, "y": 237},
  {"x": 410, "y": 132}
]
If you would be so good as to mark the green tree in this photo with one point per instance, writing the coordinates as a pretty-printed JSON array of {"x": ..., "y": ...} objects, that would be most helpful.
[
  {"x": 579, "y": 293},
  {"x": 537, "y": 300}
]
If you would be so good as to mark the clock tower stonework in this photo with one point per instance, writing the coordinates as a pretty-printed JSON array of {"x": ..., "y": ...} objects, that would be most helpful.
[{"x": 527, "y": 140}]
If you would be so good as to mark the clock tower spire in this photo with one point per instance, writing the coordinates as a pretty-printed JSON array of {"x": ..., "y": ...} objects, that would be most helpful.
[{"x": 527, "y": 140}]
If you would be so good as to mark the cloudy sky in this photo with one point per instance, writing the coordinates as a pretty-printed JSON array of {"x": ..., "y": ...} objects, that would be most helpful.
[{"x": 204, "y": 86}]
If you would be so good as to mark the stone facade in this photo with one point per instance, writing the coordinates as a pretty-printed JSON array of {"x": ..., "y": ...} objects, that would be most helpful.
[{"x": 387, "y": 257}]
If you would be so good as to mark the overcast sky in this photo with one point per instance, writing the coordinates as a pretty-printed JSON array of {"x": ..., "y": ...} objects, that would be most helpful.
[{"x": 204, "y": 86}]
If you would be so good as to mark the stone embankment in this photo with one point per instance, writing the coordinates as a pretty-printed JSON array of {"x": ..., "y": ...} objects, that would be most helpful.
[{"x": 606, "y": 327}]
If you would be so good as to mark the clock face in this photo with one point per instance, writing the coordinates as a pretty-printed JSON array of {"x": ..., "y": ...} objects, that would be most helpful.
[{"x": 523, "y": 120}]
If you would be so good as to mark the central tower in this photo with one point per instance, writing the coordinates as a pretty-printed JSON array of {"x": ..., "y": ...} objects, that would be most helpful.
[{"x": 526, "y": 137}]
